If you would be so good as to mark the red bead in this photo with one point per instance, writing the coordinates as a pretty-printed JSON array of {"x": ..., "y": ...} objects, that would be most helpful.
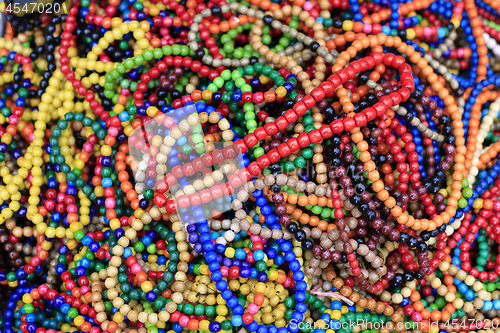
[
  {"x": 349, "y": 124},
  {"x": 240, "y": 147},
  {"x": 263, "y": 161},
  {"x": 216, "y": 191},
  {"x": 254, "y": 169},
  {"x": 293, "y": 144},
  {"x": 370, "y": 114},
  {"x": 318, "y": 94},
  {"x": 326, "y": 132},
  {"x": 284, "y": 150},
  {"x": 251, "y": 140},
  {"x": 260, "y": 133},
  {"x": 300, "y": 108},
  {"x": 160, "y": 200},
  {"x": 328, "y": 87},
  {"x": 281, "y": 123},
  {"x": 315, "y": 136},
  {"x": 290, "y": 116},
  {"x": 227, "y": 189},
  {"x": 336, "y": 80},
  {"x": 273, "y": 156},
  {"x": 337, "y": 126},
  {"x": 271, "y": 128},
  {"x": 360, "y": 119},
  {"x": 303, "y": 140}
]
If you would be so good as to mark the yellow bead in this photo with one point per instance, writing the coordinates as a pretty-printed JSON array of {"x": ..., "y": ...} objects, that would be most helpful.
[
  {"x": 335, "y": 314},
  {"x": 229, "y": 253},
  {"x": 146, "y": 286},
  {"x": 264, "y": 79},
  {"x": 27, "y": 298},
  {"x": 106, "y": 150},
  {"x": 273, "y": 275},
  {"x": 79, "y": 320},
  {"x": 347, "y": 25},
  {"x": 222, "y": 310},
  {"x": 204, "y": 325},
  {"x": 410, "y": 33},
  {"x": 206, "y": 95},
  {"x": 478, "y": 204}
]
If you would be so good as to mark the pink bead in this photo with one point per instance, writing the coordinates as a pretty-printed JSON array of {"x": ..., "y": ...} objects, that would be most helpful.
[
  {"x": 307, "y": 6},
  {"x": 32, "y": 137},
  {"x": 43, "y": 289},
  {"x": 460, "y": 52},
  {"x": 124, "y": 92},
  {"x": 13, "y": 119},
  {"x": 140, "y": 325},
  {"x": 88, "y": 147},
  {"x": 95, "y": 329},
  {"x": 496, "y": 206},
  {"x": 224, "y": 270},
  {"x": 417, "y": 317},
  {"x": 35, "y": 261},
  {"x": 113, "y": 131},
  {"x": 71, "y": 208},
  {"x": 136, "y": 268},
  {"x": 169, "y": 122},
  {"x": 252, "y": 308},
  {"x": 183, "y": 321},
  {"x": 110, "y": 203},
  {"x": 85, "y": 289},
  {"x": 367, "y": 28},
  {"x": 167, "y": 21},
  {"x": 60, "y": 197},
  {"x": 288, "y": 282}
]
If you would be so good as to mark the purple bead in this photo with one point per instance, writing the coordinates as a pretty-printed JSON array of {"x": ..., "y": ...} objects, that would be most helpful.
[
  {"x": 198, "y": 247},
  {"x": 226, "y": 262},
  {"x": 193, "y": 238}
]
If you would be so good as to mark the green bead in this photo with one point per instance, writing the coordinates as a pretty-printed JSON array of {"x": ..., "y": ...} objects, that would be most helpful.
[
  {"x": 258, "y": 152},
  {"x": 289, "y": 166},
  {"x": 199, "y": 310},
  {"x": 210, "y": 311},
  {"x": 299, "y": 162}
]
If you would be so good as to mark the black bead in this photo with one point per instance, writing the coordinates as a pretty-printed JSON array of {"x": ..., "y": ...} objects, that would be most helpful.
[
  {"x": 314, "y": 46},
  {"x": 416, "y": 94},
  {"x": 408, "y": 277},
  {"x": 371, "y": 215},
  {"x": 445, "y": 119},
  {"x": 412, "y": 242},
  {"x": 398, "y": 278},
  {"x": 307, "y": 244},
  {"x": 292, "y": 228},
  {"x": 216, "y": 10},
  {"x": 425, "y": 235},
  {"x": 275, "y": 188},
  {"x": 403, "y": 238},
  {"x": 343, "y": 258},
  {"x": 300, "y": 235},
  {"x": 421, "y": 247},
  {"x": 268, "y": 19}
]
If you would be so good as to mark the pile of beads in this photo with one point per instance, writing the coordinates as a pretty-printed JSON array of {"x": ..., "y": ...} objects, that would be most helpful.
[{"x": 250, "y": 166}]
